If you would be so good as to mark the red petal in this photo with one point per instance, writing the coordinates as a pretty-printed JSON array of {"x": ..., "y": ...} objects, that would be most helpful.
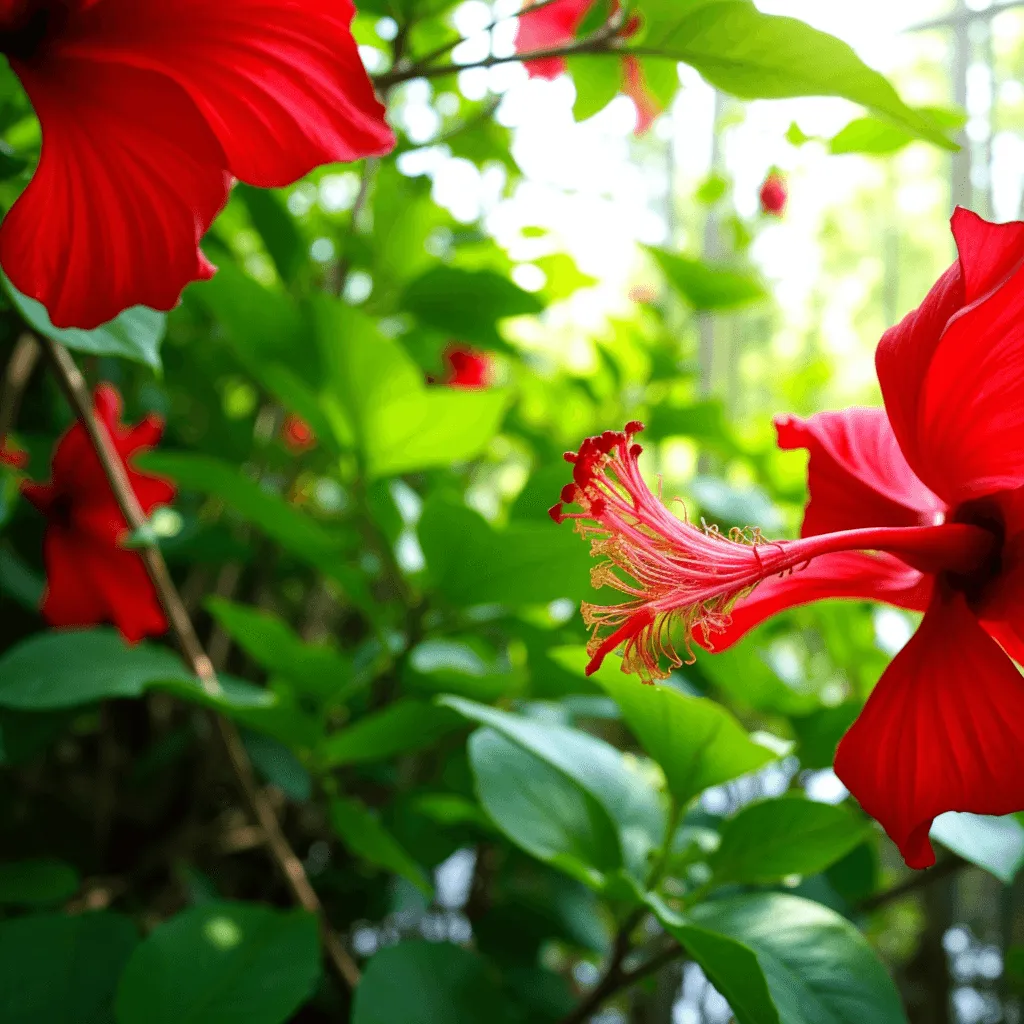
[
  {"x": 129, "y": 180},
  {"x": 281, "y": 84},
  {"x": 120, "y": 578},
  {"x": 634, "y": 86},
  {"x": 550, "y": 26},
  {"x": 952, "y": 373},
  {"x": 846, "y": 574},
  {"x": 942, "y": 731},
  {"x": 71, "y": 599},
  {"x": 857, "y": 475}
]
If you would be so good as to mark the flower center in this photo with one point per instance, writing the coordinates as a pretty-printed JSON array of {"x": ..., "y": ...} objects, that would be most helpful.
[
  {"x": 985, "y": 514},
  {"x": 26, "y": 28}
]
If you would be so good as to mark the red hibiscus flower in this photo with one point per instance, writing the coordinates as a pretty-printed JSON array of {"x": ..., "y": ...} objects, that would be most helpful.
[
  {"x": 467, "y": 368},
  {"x": 556, "y": 24},
  {"x": 920, "y": 505},
  {"x": 297, "y": 434},
  {"x": 147, "y": 110},
  {"x": 90, "y": 578},
  {"x": 774, "y": 195},
  {"x": 13, "y": 456}
]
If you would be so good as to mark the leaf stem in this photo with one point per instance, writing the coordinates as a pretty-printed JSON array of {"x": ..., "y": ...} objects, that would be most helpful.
[{"x": 285, "y": 858}]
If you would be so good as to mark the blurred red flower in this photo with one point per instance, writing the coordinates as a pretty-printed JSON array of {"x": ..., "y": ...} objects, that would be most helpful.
[
  {"x": 467, "y": 368},
  {"x": 297, "y": 434},
  {"x": 774, "y": 195},
  {"x": 90, "y": 578},
  {"x": 13, "y": 456},
  {"x": 147, "y": 111},
  {"x": 919, "y": 504},
  {"x": 556, "y": 24}
]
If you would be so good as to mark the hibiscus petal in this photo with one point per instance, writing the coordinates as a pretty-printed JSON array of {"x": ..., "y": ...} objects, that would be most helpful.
[
  {"x": 952, "y": 373},
  {"x": 857, "y": 475},
  {"x": 552, "y": 25},
  {"x": 129, "y": 179},
  {"x": 71, "y": 600},
  {"x": 846, "y": 574},
  {"x": 282, "y": 85},
  {"x": 634, "y": 85},
  {"x": 128, "y": 599},
  {"x": 942, "y": 731}
]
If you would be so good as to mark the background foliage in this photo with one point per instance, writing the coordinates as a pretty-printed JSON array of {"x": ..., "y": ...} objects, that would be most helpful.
[{"x": 494, "y": 837}]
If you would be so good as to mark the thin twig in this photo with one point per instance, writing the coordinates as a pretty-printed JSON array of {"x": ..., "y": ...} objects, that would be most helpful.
[
  {"x": 362, "y": 197},
  {"x": 19, "y": 370},
  {"x": 428, "y": 58},
  {"x": 284, "y": 856},
  {"x": 919, "y": 880},
  {"x": 596, "y": 43}
]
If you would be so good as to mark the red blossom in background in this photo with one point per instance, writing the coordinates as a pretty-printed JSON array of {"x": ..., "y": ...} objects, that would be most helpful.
[
  {"x": 920, "y": 505},
  {"x": 90, "y": 578},
  {"x": 467, "y": 368},
  {"x": 148, "y": 110},
  {"x": 556, "y": 24},
  {"x": 774, "y": 195},
  {"x": 13, "y": 456},
  {"x": 297, "y": 434}
]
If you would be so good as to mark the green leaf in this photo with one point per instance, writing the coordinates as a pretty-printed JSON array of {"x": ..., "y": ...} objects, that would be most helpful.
[
  {"x": 819, "y": 733},
  {"x": 278, "y": 765},
  {"x": 995, "y": 844},
  {"x": 277, "y": 228},
  {"x": 875, "y": 137},
  {"x": 818, "y": 967},
  {"x": 461, "y": 665},
  {"x": 320, "y": 670},
  {"x": 31, "y": 882},
  {"x": 525, "y": 563},
  {"x": 427, "y": 983},
  {"x": 62, "y": 970},
  {"x": 402, "y": 727},
  {"x": 595, "y": 766},
  {"x": 136, "y": 334},
  {"x": 362, "y": 832},
  {"x": 769, "y": 840},
  {"x": 65, "y": 670},
  {"x": 696, "y": 741},
  {"x": 379, "y": 396},
  {"x": 467, "y": 304},
  {"x": 543, "y": 811},
  {"x": 761, "y": 56},
  {"x": 732, "y": 968},
  {"x": 597, "y": 80},
  {"x": 706, "y": 287},
  {"x": 222, "y": 963}
]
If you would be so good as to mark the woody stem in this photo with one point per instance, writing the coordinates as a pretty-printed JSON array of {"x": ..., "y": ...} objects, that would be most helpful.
[{"x": 287, "y": 861}]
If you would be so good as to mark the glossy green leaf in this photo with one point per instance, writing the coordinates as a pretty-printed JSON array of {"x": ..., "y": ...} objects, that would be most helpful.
[
  {"x": 705, "y": 286},
  {"x": 761, "y": 56},
  {"x": 403, "y": 726},
  {"x": 470, "y": 562},
  {"x": 427, "y": 983},
  {"x": 542, "y": 810},
  {"x": 818, "y": 967},
  {"x": 380, "y": 396},
  {"x": 222, "y": 963},
  {"x": 994, "y": 844},
  {"x": 769, "y": 840},
  {"x": 873, "y": 136},
  {"x": 697, "y": 743},
  {"x": 597, "y": 767},
  {"x": 467, "y": 305},
  {"x": 31, "y": 882},
  {"x": 60, "y": 969},
  {"x": 362, "y": 832},
  {"x": 278, "y": 765},
  {"x": 65, "y": 670},
  {"x": 319, "y": 670},
  {"x": 136, "y": 334}
]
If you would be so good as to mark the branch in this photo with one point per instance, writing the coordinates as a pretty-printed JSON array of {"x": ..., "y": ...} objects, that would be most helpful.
[
  {"x": 919, "y": 880},
  {"x": 617, "y": 980},
  {"x": 19, "y": 369},
  {"x": 599, "y": 42},
  {"x": 288, "y": 863}
]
